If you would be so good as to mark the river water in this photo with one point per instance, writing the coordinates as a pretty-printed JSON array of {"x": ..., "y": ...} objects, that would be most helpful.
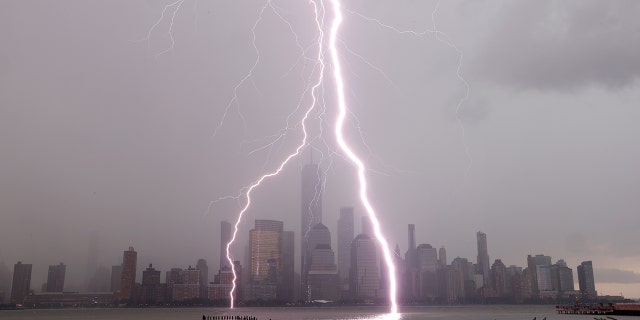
[{"x": 511, "y": 312}]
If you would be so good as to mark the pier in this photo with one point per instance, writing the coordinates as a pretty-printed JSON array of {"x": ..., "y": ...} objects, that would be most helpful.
[
  {"x": 586, "y": 309},
  {"x": 205, "y": 317}
]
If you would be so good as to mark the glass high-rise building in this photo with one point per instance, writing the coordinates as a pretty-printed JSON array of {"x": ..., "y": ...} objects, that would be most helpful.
[
  {"x": 364, "y": 277},
  {"x": 483, "y": 256},
  {"x": 586, "y": 281},
  {"x": 55, "y": 278},
  {"x": 264, "y": 243},
  {"x": 286, "y": 289},
  {"x": 345, "y": 236},
  {"x": 21, "y": 284}
]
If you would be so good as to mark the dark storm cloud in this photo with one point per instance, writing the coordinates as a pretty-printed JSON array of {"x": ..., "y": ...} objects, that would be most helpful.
[
  {"x": 559, "y": 45},
  {"x": 616, "y": 276}
]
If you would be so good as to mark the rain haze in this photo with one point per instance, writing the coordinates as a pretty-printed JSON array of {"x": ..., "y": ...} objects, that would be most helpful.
[{"x": 120, "y": 127}]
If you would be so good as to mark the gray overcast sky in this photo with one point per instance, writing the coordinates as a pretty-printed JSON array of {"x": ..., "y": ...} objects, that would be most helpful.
[{"x": 107, "y": 132}]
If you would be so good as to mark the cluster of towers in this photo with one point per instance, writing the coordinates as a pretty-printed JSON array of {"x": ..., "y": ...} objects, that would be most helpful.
[
  {"x": 271, "y": 272},
  {"x": 355, "y": 273}
]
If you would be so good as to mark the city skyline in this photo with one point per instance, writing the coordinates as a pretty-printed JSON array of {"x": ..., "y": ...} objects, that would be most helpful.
[
  {"x": 516, "y": 119},
  {"x": 427, "y": 280}
]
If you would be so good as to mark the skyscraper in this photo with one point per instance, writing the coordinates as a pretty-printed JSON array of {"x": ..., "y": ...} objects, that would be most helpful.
[
  {"x": 410, "y": 256},
  {"x": 562, "y": 277},
  {"x": 586, "y": 281},
  {"x": 499, "y": 278},
  {"x": 201, "y": 265},
  {"x": 128, "y": 277},
  {"x": 483, "y": 256},
  {"x": 323, "y": 278},
  {"x": 345, "y": 236},
  {"x": 318, "y": 235},
  {"x": 116, "y": 275},
  {"x": 264, "y": 242},
  {"x": 310, "y": 211},
  {"x": 55, "y": 278},
  {"x": 427, "y": 263},
  {"x": 364, "y": 277},
  {"x": 442, "y": 256},
  {"x": 152, "y": 292},
  {"x": 286, "y": 289},
  {"x": 225, "y": 237},
  {"x": 21, "y": 284}
]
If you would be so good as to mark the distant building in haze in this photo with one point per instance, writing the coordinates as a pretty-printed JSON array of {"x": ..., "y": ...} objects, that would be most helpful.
[
  {"x": 427, "y": 265},
  {"x": 116, "y": 275},
  {"x": 586, "y": 280},
  {"x": 345, "y": 236},
  {"x": 562, "y": 277},
  {"x": 152, "y": 291},
  {"x": 310, "y": 211},
  {"x": 442, "y": 256},
  {"x": 204, "y": 277},
  {"x": 323, "y": 277},
  {"x": 540, "y": 273},
  {"x": 189, "y": 286},
  {"x": 364, "y": 277},
  {"x": 21, "y": 284},
  {"x": 287, "y": 245},
  {"x": 483, "y": 256},
  {"x": 55, "y": 278},
  {"x": 499, "y": 278},
  {"x": 128, "y": 277}
]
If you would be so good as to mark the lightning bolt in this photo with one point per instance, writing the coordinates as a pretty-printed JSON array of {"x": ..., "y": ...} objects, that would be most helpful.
[
  {"x": 339, "y": 124},
  {"x": 316, "y": 99},
  {"x": 301, "y": 145}
]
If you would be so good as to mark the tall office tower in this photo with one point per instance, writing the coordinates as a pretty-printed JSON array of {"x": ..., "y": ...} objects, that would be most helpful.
[
  {"x": 21, "y": 284},
  {"x": 561, "y": 277},
  {"x": 152, "y": 292},
  {"x": 427, "y": 264},
  {"x": 465, "y": 271},
  {"x": 204, "y": 277},
  {"x": 318, "y": 235},
  {"x": 345, "y": 236},
  {"x": 128, "y": 277},
  {"x": 323, "y": 278},
  {"x": 55, "y": 278},
  {"x": 499, "y": 278},
  {"x": 116, "y": 275},
  {"x": 265, "y": 243},
  {"x": 286, "y": 290},
  {"x": 483, "y": 256},
  {"x": 586, "y": 281},
  {"x": 225, "y": 237},
  {"x": 410, "y": 256},
  {"x": 310, "y": 211},
  {"x": 540, "y": 273},
  {"x": 364, "y": 277},
  {"x": 442, "y": 257}
]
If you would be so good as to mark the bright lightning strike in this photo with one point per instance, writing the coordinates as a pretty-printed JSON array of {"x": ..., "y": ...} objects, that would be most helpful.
[
  {"x": 319, "y": 11},
  {"x": 339, "y": 82},
  {"x": 301, "y": 145}
]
